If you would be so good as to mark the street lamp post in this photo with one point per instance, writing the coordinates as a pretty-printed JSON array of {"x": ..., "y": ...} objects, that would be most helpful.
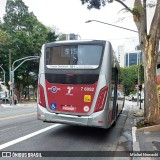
[
  {"x": 29, "y": 58},
  {"x": 111, "y": 25},
  {"x": 138, "y": 62},
  {"x": 4, "y": 81}
]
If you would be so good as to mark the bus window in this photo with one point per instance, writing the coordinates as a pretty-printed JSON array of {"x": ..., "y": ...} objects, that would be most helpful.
[{"x": 77, "y": 55}]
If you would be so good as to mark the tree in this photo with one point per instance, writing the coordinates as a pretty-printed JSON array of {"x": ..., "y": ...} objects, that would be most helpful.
[
  {"x": 26, "y": 36},
  {"x": 3, "y": 37},
  {"x": 149, "y": 45},
  {"x": 3, "y": 43},
  {"x": 51, "y": 35},
  {"x": 130, "y": 78}
]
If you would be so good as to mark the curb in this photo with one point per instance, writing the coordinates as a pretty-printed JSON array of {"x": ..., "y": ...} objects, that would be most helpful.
[
  {"x": 18, "y": 105},
  {"x": 136, "y": 146},
  {"x": 5, "y": 106},
  {"x": 150, "y": 128},
  {"x": 11, "y": 106}
]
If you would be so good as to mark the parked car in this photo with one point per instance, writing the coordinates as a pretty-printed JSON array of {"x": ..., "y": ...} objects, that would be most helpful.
[
  {"x": 2, "y": 94},
  {"x": 3, "y": 98}
]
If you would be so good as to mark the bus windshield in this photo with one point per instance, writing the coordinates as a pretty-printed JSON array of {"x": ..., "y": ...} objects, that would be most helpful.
[{"x": 74, "y": 56}]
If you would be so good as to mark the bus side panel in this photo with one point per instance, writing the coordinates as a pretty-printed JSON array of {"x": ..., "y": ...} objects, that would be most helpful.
[
  {"x": 41, "y": 81},
  {"x": 105, "y": 80}
]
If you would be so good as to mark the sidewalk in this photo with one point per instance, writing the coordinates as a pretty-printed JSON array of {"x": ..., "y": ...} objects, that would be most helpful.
[
  {"x": 18, "y": 105},
  {"x": 138, "y": 140},
  {"x": 144, "y": 139},
  {"x": 147, "y": 138}
]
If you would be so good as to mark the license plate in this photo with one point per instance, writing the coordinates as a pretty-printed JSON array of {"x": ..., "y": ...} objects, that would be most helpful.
[{"x": 69, "y": 108}]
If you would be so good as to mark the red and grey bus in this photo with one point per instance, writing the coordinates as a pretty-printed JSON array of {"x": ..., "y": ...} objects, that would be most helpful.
[{"x": 79, "y": 83}]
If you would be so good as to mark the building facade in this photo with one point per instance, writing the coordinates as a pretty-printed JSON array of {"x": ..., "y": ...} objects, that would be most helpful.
[{"x": 132, "y": 58}]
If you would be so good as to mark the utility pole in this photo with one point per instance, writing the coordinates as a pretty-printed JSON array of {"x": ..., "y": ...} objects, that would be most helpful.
[
  {"x": 10, "y": 84},
  {"x": 138, "y": 61}
]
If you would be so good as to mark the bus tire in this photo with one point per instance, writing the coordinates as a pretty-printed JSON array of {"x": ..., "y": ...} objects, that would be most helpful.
[{"x": 115, "y": 121}]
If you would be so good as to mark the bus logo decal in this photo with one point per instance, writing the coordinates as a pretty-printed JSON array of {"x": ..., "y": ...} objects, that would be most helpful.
[
  {"x": 69, "y": 90},
  {"x": 54, "y": 89}
]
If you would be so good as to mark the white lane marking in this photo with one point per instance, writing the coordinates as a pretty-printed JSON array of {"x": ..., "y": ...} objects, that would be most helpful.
[{"x": 5, "y": 145}]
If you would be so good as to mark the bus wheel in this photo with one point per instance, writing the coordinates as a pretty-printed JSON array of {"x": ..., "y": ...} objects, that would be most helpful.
[{"x": 115, "y": 121}]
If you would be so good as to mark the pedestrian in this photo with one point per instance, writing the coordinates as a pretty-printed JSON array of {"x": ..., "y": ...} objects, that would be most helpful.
[{"x": 15, "y": 99}]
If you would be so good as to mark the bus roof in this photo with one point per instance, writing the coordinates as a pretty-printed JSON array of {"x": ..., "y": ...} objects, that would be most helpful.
[{"x": 77, "y": 41}]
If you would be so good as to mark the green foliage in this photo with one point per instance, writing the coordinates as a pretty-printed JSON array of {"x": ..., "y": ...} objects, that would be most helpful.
[
  {"x": 25, "y": 38},
  {"x": 130, "y": 78},
  {"x": 3, "y": 47},
  {"x": 3, "y": 37},
  {"x": 51, "y": 37},
  {"x": 95, "y": 3}
]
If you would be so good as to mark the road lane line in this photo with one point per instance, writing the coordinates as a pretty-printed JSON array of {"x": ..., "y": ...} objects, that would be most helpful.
[
  {"x": 2, "y": 130},
  {"x": 16, "y": 116},
  {"x": 5, "y": 145}
]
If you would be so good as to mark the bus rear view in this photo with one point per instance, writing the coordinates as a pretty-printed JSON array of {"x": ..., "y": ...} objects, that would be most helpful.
[{"x": 74, "y": 83}]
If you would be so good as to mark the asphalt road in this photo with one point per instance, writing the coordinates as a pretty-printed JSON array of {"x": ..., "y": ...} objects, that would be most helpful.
[{"x": 21, "y": 131}]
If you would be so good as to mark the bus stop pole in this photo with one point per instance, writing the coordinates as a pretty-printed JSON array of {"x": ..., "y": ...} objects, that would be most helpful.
[{"x": 140, "y": 101}]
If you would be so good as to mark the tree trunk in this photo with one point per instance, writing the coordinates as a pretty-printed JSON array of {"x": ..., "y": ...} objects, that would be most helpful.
[
  {"x": 149, "y": 43},
  {"x": 152, "y": 103}
]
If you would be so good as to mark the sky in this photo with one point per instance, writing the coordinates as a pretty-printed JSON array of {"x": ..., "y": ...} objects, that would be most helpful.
[{"x": 69, "y": 16}]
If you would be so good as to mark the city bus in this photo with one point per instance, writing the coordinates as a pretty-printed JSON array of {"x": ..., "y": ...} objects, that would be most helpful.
[{"x": 79, "y": 83}]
